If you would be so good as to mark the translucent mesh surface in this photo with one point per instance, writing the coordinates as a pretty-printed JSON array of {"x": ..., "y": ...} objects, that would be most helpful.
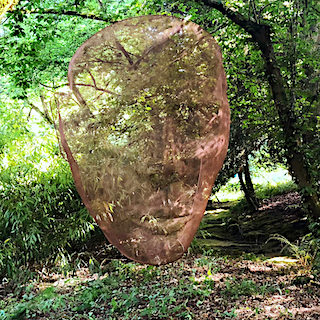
[{"x": 146, "y": 132}]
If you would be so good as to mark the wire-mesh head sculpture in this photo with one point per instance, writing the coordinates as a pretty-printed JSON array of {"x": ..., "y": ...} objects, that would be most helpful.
[{"x": 146, "y": 132}]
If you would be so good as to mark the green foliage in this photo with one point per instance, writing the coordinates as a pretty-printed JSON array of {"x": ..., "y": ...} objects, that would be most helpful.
[
  {"x": 306, "y": 250},
  {"x": 253, "y": 257},
  {"x": 40, "y": 209},
  {"x": 134, "y": 291},
  {"x": 264, "y": 190},
  {"x": 46, "y": 301},
  {"x": 236, "y": 289},
  {"x": 113, "y": 297},
  {"x": 270, "y": 190},
  {"x": 41, "y": 212},
  {"x": 210, "y": 262},
  {"x": 38, "y": 47},
  {"x": 46, "y": 44},
  {"x": 314, "y": 237},
  {"x": 13, "y": 122}
]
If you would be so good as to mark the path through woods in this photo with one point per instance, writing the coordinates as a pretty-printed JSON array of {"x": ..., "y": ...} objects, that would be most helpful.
[{"x": 237, "y": 232}]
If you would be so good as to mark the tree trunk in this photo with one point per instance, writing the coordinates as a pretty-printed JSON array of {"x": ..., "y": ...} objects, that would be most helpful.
[
  {"x": 288, "y": 120},
  {"x": 294, "y": 155},
  {"x": 247, "y": 185}
]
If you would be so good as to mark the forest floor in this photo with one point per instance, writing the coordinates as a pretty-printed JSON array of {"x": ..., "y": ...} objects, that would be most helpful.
[
  {"x": 102, "y": 284},
  {"x": 195, "y": 287},
  {"x": 234, "y": 230}
]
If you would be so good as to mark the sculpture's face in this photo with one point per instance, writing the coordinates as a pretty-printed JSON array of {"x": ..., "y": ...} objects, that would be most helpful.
[{"x": 148, "y": 127}]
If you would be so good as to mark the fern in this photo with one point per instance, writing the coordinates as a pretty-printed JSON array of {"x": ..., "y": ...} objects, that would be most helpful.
[{"x": 305, "y": 250}]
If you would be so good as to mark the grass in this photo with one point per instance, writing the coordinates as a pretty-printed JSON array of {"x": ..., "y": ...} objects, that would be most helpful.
[
  {"x": 265, "y": 191},
  {"x": 269, "y": 190},
  {"x": 267, "y": 184}
]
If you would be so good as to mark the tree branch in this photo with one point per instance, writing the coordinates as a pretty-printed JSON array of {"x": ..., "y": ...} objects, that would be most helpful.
[
  {"x": 236, "y": 17},
  {"x": 68, "y": 13},
  {"x": 44, "y": 115},
  {"x": 54, "y": 87},
  {"x": 261, "y": 34},
  {"x": 98, "y": 89}
]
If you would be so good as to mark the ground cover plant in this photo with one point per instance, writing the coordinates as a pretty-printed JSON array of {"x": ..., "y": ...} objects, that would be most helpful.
[{"x": 196, "y": 287}]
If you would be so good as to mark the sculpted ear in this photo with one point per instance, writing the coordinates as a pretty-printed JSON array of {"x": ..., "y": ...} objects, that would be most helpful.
[{"x": 145, "y": 131}]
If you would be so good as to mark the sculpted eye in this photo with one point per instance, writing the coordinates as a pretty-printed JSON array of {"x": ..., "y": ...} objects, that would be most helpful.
[{"x": 145, "y": 129}]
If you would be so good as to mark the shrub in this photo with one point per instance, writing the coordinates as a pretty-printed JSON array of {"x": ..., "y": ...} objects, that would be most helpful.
[{"x": 41, "y": 213}]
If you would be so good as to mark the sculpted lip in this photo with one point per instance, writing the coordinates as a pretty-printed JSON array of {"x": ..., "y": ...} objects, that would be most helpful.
[{"x": 145, "y": 129}]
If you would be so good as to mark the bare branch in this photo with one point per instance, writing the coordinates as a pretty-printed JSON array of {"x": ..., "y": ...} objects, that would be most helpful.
[
  {"x": 124, "y": 51},
  {"x": 98, "y": 89},
  {"x": 92, "y": 77},
  {"x": 54, "y": 87},
  {"x": 316, "y": 10},
  {"x": 43, "y": 114}
]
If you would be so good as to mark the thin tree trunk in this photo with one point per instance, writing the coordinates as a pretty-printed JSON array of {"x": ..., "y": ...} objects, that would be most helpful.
[
  {"x": 247, "y": 185},
  {"x": 245, "y": 191}
]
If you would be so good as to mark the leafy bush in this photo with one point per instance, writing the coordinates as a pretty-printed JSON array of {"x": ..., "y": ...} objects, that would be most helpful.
[
  {"x": 41, "y": 212},
  {"x": 270, "y": 190},
  {"x": 314, "y": 237}
]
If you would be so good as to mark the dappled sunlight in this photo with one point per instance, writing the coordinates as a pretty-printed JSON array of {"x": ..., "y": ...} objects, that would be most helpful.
[
  {"x": 280, "y": 307},
  {"x": 315, "y": 310},
  {"x": 201, "y": 286},
  {"x": 66, "y": 282},
  {"x": 259, "y": 268},
  {"x": 283, "y": 261}
]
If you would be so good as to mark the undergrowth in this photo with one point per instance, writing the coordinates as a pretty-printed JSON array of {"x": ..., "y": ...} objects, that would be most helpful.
[
  {"x": 41, "y": 216},
  {"x": 132, "y": 291},
  {"x": 266, "y": 191},
  {"x": 306, "y": 249},
  {"x": 128, "y": 291}
]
